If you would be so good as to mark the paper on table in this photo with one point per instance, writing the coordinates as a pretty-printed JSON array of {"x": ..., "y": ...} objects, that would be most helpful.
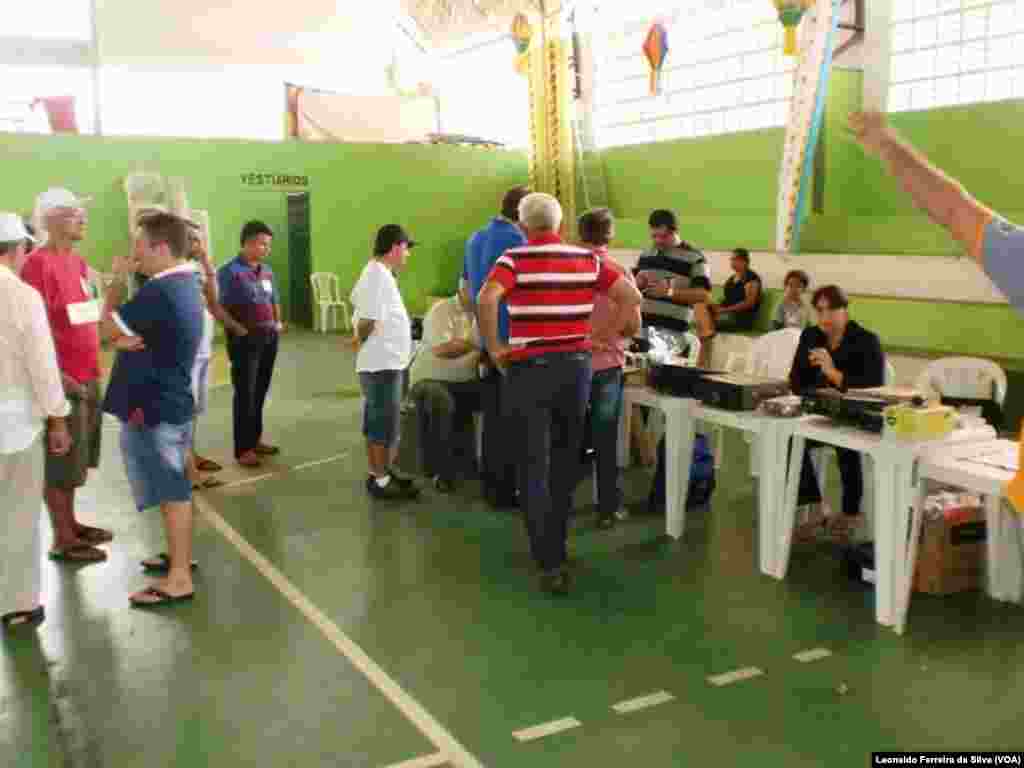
[{"x": 1002, "y": 454}]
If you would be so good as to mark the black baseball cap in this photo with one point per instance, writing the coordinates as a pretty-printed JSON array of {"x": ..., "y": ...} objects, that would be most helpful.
[{"x": 389, "y": 236}]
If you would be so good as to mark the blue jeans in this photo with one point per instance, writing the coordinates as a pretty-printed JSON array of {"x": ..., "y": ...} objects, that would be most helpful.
[
  {"x": 548, "y": 396},
  {"x": 605, "y": 409}
]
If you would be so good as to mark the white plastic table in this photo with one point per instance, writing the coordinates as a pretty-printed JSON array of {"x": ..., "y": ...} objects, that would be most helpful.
[
  {"x": 893, "y": 494},
  {"x": 959, "y": 466},
  {"x": 681, "y": 417}
]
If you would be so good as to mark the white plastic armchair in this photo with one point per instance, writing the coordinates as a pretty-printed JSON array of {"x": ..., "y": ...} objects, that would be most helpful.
[
  {"x": 971, "y": 377},
  {"x": 328, "y": 301}
]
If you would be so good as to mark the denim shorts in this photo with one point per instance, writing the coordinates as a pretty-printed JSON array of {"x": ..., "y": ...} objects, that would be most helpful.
[
  {"x": 154, "y": 460},
  {"x": 382, "y": 410}
]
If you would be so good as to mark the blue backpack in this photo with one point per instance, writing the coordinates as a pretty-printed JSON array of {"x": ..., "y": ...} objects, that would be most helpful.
[{"x": 702, "y": 474}]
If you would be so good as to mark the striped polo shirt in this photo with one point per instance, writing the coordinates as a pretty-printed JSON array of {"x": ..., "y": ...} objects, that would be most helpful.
[
  {"x": 686, "y": 267},
  {"x": 549, "y": 288}
]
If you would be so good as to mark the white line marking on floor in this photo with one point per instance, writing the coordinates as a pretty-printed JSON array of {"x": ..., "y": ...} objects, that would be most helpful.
[
  {"x": 643, "y": 702},
  {"x": 426, "y": 761},
  {"x": 735, "y": 676},
  {"x": 547, "y": 729},
  {"x": 247, "y": 480},
  {"x": 812, "y": 655},
  {"x": 436, "y": 733},
  {"x": 321, "y": 461}
]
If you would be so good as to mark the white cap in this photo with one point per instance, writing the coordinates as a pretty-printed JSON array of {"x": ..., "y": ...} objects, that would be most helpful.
[
  {"x": 58, "y": 197},
  {"x": 12, "y": 229}
]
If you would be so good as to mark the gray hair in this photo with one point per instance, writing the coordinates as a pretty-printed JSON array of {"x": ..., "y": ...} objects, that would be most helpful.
[{"x": 539, "y": 211}]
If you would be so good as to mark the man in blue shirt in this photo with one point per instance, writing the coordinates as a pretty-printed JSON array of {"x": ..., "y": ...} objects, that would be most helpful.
[
  {"x": 157, "y": 334},
  {"x": 483, "y": 249},
  {"x": 248, "y": 294}
]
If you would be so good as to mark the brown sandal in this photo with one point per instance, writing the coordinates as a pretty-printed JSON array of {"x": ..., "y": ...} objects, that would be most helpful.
[
  {"x": 79, "y": 553},
  {"x": 94, "y": 536}
]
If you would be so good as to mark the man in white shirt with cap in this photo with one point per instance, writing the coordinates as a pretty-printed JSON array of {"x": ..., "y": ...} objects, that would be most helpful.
[
  {"x": 61, "y": 276},
  {"x": 31, "y": 391}
]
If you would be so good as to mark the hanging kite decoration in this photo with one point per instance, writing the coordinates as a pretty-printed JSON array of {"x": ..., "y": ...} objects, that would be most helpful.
[
  {"x": 522, "y": 34},
  {"x": 655, "y": 50},
  {"x": 790, "y": 13}
]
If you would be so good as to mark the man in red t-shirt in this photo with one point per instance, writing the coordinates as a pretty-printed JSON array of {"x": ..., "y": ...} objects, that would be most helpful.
[
  {"x": 549, "y": 288},
  {"x": 60, "y": 275}
]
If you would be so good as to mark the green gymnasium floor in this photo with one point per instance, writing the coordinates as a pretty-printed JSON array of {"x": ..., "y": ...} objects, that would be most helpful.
[{"x": 299, "y": 570}]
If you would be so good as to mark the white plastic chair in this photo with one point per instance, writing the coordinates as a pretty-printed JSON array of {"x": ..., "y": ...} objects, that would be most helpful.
[
  {"x": 971, "y": 377},
  {"x": 327, "y": 297},
  {"x": 738, "y": 360},
  {"x": 771, "y": 355}
]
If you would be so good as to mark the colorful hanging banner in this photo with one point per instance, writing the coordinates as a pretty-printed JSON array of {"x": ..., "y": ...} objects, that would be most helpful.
[
  {"x": 796, "y": 175},
  {"x": 790, "y": 13},
  {"x": 655, "y": 50}
]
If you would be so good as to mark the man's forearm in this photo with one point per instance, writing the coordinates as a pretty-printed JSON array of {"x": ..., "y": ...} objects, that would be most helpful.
[
  {"x": 364, "y": 330},
  {"x": 487, "y": 312},
  {"x": 943, "y": 198},
  {"x": 453, "y": 349},
  {"x": 690, "y": 296}
]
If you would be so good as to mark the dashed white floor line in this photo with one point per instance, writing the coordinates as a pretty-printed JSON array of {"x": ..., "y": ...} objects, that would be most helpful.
[
  {"x": 737, "y": 675},
  {"x": 436, "y": 733},
  {"x": 426, "y": 761},
  {"x": 813, "y": 654},
  {"x": 546, "y": 729},
  {"x": 643, "y": 702},
  {"x": 318, "y": 462}
]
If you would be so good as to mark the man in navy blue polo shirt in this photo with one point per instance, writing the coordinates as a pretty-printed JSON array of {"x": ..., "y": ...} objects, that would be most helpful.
[
  {"x": 247, "y": 292},
  {"x": 157, "y": 333},
  {"x": 483, "y": 250}
]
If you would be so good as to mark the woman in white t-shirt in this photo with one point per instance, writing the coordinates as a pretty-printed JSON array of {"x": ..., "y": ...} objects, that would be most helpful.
[{"x": 384, "y": 333}]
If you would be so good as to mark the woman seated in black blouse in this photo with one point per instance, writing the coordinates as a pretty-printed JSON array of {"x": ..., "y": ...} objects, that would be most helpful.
[{"x": 837, "y": 353}]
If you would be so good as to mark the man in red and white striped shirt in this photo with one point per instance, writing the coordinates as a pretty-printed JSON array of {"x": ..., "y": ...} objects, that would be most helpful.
[{"x": 549, "y": 289}]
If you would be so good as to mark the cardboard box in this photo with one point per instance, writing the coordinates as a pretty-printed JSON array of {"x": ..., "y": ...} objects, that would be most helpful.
[{"x": 951, "y": 554}]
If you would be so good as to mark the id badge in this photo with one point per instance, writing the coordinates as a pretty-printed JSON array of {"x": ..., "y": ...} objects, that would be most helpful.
[{"x": 84, "y": 312}]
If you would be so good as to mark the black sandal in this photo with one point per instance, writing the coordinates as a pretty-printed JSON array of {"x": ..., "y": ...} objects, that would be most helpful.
[
  {"x": 164, "y": 598},
  {"x": 163, "y": 566},
  {"x": 32, "y": 618}
]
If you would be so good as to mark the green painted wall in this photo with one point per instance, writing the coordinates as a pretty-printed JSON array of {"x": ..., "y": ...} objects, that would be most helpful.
[
  {"x": 441, "y": 194},
  {"x": 724, "y": 188}
]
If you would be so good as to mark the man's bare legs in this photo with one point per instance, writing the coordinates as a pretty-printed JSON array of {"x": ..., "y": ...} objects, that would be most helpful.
[
  {"x": 67, "y": 530},
  {"x": 178, "y": 531}
]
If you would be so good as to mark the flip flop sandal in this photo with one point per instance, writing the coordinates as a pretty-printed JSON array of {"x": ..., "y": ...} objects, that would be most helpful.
[
  {"x": 80, "y": 553},
  {"x": 208, "y": 465},
  {"x": 164, "y": 564},
  {"x": 162, "y": 598},
  {"x": 210, "y": 482},
  {"x": 94, "y": 536},
  {"x": 23, "y": 618}
]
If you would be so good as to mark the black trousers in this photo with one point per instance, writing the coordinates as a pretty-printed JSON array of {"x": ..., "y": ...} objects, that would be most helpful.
[
  {"x": 851, "y": 477},
  {"x": 499, "y": 460},
  {"x": 252, "y": 367},
  {"x": 548, "y": 398},
  {"x": 444, "y": 410}
]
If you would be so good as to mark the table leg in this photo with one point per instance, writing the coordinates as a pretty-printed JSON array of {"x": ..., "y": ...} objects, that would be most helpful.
[
  {"x": 907, "y": 586},
  {"x": 786, "y": 517},
  {"x": 679, "y": 438},
  {"x": 893, "y": 496},
  {"x": 994, "y": 549},
  {"x": 771, "y": 443}
]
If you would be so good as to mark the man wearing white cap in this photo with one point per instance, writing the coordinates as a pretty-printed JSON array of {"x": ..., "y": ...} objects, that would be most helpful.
[
  {"x": 30, "y": 391},
  {"x": 60, "y": 275}
]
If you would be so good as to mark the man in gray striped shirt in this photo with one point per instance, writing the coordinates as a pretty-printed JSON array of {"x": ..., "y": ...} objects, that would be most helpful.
[{"x": 675, "y": 280}]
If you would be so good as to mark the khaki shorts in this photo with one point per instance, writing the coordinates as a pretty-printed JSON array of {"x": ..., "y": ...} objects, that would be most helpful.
[{"x": 68, "y": 472}]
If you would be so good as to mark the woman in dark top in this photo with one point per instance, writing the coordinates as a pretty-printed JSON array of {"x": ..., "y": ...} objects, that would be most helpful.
[
  {"x": 837, "y": 353},
  {"x": 741, "y": 296}
]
